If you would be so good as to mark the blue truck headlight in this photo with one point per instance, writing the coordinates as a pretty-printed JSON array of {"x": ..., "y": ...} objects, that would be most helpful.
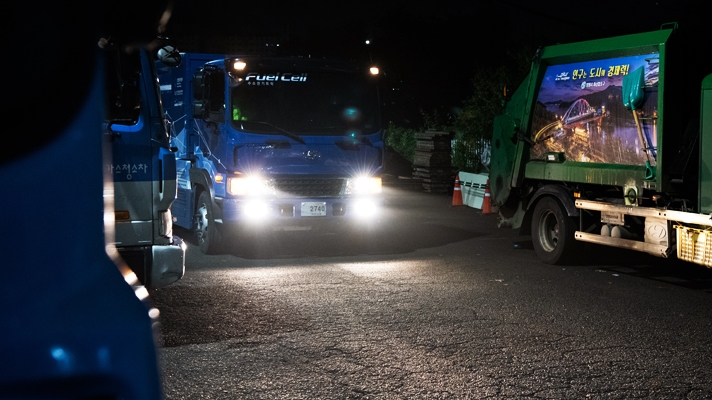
[
  {"x": 363, "y": 185},
  {"x": 248, "y": 186}
]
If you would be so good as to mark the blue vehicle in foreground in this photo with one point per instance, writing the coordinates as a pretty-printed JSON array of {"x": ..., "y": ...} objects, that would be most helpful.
[
  {"x": 273, "y": 144},
  {"x": 75, "y": 325}
]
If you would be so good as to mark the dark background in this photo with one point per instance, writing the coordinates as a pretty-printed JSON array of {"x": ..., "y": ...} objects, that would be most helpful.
[{"x": 428, "y": 50}]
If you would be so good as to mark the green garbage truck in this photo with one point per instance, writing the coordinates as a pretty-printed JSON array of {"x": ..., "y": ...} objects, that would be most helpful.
[{"x": 609, "y": 141}]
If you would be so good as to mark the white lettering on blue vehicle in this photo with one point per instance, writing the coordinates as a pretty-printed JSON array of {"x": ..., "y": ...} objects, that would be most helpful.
[
  {"x": 129, "y": 169},
  {"x": 282, "y": 77}
]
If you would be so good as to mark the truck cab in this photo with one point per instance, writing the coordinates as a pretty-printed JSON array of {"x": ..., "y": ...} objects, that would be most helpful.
[
  {"x": 273, "y": 144},
  {"x": 141, "y": 166}
]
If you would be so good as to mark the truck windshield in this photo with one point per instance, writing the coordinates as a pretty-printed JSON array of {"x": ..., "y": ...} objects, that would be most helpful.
[{"x": 313, "y": 103}]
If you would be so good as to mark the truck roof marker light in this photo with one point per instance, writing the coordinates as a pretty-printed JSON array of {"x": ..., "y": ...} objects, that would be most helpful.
[{"x": 239, "y": 65}]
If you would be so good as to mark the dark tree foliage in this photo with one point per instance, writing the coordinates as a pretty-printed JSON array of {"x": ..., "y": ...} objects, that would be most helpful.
[{"x": 473, "y": 122}]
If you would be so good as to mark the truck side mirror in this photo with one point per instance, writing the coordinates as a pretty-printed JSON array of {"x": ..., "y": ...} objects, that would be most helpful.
[{"x": 169, "y": 56}]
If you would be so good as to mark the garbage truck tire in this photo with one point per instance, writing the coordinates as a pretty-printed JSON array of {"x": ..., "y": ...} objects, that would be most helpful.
[{"x": 553, "y": 232}]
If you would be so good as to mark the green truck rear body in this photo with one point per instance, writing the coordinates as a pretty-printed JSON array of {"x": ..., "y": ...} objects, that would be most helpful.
[
  {"x": 605, "y": 173},
  {"x": 616, "y": 121},
  {"x": 705, "y": 182}
]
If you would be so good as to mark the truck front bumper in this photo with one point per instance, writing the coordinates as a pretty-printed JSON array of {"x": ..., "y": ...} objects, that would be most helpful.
[
  {"x": 300, "y": 213},
  {"x": 168, "y": 263},
  {"x": 156, "y": 266}
]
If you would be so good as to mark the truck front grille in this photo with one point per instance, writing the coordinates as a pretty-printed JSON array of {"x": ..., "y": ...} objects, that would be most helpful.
[{"x": 309, "y": 187}]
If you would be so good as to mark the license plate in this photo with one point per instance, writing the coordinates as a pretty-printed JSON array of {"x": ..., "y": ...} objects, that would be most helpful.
[{"x": 314, "y": 209}]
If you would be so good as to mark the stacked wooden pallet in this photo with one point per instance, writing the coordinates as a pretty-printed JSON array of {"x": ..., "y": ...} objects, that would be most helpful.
[{"x": 431, "y": 162}]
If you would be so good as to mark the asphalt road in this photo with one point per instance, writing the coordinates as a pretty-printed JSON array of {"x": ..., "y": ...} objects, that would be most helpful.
[{"x": 440, "y": 304}]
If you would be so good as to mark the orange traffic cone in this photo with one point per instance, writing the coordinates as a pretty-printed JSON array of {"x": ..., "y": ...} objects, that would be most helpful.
[
  {"x": 457, "y": 192},
  {"x": 486, "y": 202}
]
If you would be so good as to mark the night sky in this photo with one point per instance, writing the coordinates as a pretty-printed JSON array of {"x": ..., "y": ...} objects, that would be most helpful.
[{"x": 429, "y": 50}]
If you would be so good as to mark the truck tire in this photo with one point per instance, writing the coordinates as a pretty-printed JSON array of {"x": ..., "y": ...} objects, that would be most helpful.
[
  {"x": 206, "y": 231},
  {"x": 553, "y": 232}
]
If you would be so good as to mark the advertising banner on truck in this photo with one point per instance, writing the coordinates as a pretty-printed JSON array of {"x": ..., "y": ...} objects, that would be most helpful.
[{"x": 580, "y": 112}]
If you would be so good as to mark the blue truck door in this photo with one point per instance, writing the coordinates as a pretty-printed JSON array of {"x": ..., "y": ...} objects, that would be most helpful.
[
  {"x": 142, "y": 168},
  {"x": 177, "y": 94},
  {"x": 131, "y": 165}
]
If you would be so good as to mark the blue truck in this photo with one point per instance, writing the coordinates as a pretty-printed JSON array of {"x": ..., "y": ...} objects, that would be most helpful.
[
  {"x": 141, "y": 166},
  {"x": 273, "y": 144}
]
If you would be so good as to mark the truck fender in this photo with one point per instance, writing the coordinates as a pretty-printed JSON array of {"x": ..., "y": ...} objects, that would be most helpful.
[
  {"x": 200, "y": 177},
  {"x": 561, "y": 193}
]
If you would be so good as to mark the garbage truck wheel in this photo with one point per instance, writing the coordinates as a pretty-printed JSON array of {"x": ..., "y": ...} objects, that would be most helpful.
[
  {"x": 206, "y": 232},
  {"x": 553, "y": 232}
]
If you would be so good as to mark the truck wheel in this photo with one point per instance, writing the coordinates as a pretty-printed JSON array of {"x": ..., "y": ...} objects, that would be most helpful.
[
  {"x": 553, "y": 233},
  {"x": 206, "y": 231}
]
